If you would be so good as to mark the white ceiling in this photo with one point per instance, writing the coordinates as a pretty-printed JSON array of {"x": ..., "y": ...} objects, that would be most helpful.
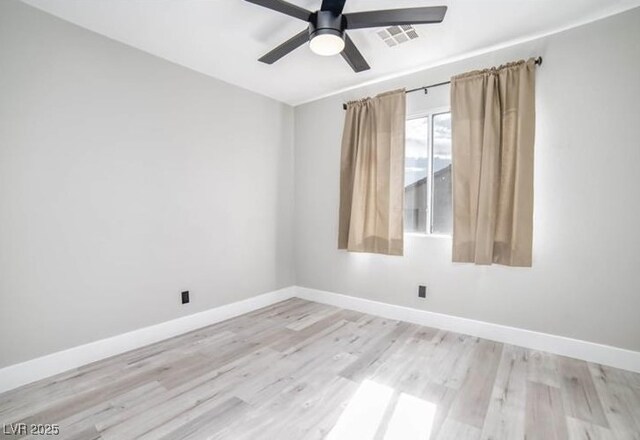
[{"x": 224, "y": 38}]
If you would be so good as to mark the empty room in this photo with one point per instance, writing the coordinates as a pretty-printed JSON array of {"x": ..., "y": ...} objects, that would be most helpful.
[{"x": 320, "y": 219}]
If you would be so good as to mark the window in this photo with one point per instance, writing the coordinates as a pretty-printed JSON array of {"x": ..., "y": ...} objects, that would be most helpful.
[{"x": 427, "y": 183}]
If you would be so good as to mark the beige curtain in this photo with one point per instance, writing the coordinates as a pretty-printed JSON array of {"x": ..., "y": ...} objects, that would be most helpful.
[
  {"x": 372, "y": 175},
  {"x": 493, "y": 124}
]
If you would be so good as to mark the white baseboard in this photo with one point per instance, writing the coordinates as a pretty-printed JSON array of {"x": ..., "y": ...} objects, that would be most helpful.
[
  {"x": 17, "y": 375},
  {"x": 575, "y": 348}
]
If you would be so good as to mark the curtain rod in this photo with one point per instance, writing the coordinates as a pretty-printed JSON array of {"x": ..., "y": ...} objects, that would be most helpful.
[{"x": 538, "y": 62}]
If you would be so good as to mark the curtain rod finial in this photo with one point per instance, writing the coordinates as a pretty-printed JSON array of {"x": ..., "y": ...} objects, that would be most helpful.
[
  {"x": 539, "y": 61},
  {"x": 344, "y": 106}
]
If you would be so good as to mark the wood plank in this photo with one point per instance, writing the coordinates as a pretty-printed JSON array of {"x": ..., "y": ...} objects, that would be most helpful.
[
  {"x": 579, "y": 393},
  {"x": 617, "y": 402},
  {"x": 543, "y": 368},
  {"x": 454, "y": 430},
  {"x": 451, "y": 358},
  {"x": 368, "y": 360},
  {"x": 505, "y": 416},
  {"x": 545, "y": 416},
  {"x": 193, "y": 426},
  {"x": 581, "y": 430},
  {"x": 472, "y": 401}
]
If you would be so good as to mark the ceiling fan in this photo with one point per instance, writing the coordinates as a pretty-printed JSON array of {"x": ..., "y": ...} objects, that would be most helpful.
[{"x": 326, "y": 32}]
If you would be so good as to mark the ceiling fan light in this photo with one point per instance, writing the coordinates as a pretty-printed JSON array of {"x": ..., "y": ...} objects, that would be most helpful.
[{"x": 327, "y": 44}]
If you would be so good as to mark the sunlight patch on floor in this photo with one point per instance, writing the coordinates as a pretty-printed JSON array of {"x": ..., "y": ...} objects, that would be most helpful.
[{"x": 412, "y": 418}]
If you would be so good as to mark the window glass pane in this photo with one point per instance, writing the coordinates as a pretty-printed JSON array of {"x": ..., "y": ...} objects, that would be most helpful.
[
  {"x": 442, "y": 220},
  {"x": 415, "y": 175}
]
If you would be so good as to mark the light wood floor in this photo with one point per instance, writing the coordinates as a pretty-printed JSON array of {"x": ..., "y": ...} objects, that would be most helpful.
[{"x": 302, "y": 370}]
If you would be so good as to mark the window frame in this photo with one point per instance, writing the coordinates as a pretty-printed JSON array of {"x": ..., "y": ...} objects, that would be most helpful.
[{"x": 429, "y": 114}]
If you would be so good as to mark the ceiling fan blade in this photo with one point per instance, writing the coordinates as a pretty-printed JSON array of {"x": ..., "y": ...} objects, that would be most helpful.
[
  {"x": 288, "y": 46},
  {"x": 284, "y": 8},
  {"x": 395, "y": 17},
  {"x": 334, "y": 6},
  {"x": 352, "y": 56}
]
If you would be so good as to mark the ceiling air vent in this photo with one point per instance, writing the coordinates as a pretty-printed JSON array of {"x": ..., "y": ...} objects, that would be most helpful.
[{"x": 395, "y": 35}]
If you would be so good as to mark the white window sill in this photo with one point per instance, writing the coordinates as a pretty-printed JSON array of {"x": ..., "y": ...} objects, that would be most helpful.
[{"x": 424, "y": 234}]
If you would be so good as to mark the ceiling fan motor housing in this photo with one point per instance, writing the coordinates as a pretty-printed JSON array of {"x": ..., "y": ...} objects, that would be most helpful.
[{"x": 326, "y": 22}]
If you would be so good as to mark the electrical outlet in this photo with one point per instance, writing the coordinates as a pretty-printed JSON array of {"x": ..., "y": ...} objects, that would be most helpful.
[
  {"x": 422, "y": 292},
  {"x": 185, "y": 297}
]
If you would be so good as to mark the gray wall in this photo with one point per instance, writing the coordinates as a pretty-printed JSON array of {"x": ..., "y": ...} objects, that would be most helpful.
[
  {"x": 125, "y": 179},
  {"x": 585, "y": 280}
]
